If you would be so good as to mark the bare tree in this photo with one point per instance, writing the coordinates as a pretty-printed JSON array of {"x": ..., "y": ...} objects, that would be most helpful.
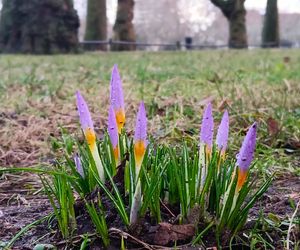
[
  {"x": 123, "y": 28},
  {"x": 270, "y": 34},
  {"x": 96, "y": 21},
  {"x": 235, "y": 13}
]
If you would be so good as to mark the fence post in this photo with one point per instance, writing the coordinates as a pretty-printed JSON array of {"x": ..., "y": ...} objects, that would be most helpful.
[
  {"x": 110, "y": 44},
  {"x": 188, "y": 42}
]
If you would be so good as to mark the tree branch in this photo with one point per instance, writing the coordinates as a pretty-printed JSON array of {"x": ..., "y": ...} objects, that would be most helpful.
[{"x": 227, "y": 7}]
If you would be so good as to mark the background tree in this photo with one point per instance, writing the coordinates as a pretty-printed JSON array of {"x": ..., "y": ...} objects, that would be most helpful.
[
  {"x": 34, "y": 26},
  {"x": 270, "y": 34},
  {"x": 96, "y": 21},
  {"x": 123, "y": 28},
  {"x": 235, "y": 13}
]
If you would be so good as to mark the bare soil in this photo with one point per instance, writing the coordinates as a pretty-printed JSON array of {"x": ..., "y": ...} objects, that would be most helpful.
[{"x": 21, "y": 203}]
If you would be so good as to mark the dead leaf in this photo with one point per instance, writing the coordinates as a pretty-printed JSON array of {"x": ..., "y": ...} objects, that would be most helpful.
[
  {"x": 225, "y": 103},
  {"x": 194, "y": 215},
  {"x": 169, "y": 233},
  {"x": 273, "y": 126},
  {"x": 286, "y": 59},
  {"x": 206, "y": 100}
]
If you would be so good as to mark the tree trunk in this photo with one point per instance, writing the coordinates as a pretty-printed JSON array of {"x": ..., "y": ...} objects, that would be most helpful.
[
  {"x": 96, "y": 22},
  {"x": 235, "y": 12},
  {"x": 237, "y": 27},
  {"x": 41, "y": 27},
  {"x": 123, "y": 28},
  {"x": 270, "y": 34}
]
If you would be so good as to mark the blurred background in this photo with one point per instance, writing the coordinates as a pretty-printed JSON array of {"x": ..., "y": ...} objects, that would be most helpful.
[{"x": 56, "y": 26}]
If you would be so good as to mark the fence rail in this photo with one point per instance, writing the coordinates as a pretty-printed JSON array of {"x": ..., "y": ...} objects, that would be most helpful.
[{"x": 90, "y": 45}]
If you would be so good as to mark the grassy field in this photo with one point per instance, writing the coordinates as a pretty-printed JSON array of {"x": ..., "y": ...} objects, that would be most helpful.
[{"x": 37, "y": 97}]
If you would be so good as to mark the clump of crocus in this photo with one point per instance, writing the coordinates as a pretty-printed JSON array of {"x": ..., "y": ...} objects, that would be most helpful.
[
  {"x": 117, "y": 98},
  {"x": 222, "y": 135},
  {"x": 245, "y": 156},
  {"x": 140, "y": 145},
  {"x": 89, "y": 132},
  {"x": 113, "y": 132}
]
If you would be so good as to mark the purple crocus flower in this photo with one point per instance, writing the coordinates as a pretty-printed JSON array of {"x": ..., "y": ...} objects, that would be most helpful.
[
  {"x": 222, "y": 135},
  {"x": 207, "y": 128},
  {"x": 246, "y": 154},
  {"x": 113, "y": 131},
  {"x": 84, "y": 113},
  {"x": 86, "y": 120},
  {"x": 78, "y": 165},
  {"x": 140, "y": 136},
  {"x": 89, "y": 132},
  {"x": 140, "y": 145},
  {"x": 117, "y": 98}
]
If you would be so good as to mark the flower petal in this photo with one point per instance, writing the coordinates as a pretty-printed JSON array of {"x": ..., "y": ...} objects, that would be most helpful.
[
  {"x": 246, "y": 154},
  {"x": 112, "y": 127},
  {"x": 207, "y": 127},
  {"x": 222, "y": 135},
  {"x": 78, "y": 165},
  {"x": 116, "y": 91},
  {"x": 141, "y": 125},
  {"x": 83, "y": 112}
]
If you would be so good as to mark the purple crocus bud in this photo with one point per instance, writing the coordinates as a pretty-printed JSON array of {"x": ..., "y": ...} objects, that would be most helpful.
[
  {"x": 117, "y": 98},
  {"x": 141, "y": 124},
  {"x": 222, "y": 135},
  {"x": 113, "y": 131},
  {"x": 246, "y": 154},
  {"x": 83, "y": 112},
  {"x": 112, "y": 127},
  {"x": 78, "y": 165},
  {"x": 86, "y": 121},
  {"x": 207, "y": 128},
  {"x": 140, "y": 136}
]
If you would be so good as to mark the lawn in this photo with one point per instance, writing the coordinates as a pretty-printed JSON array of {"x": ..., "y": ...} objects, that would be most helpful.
[{"x": 37, "y": 96}]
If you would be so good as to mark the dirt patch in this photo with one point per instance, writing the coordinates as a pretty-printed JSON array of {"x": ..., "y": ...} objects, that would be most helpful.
[
  {"x": 278, "y": 198},
  {"x": 21, "y": 204}
]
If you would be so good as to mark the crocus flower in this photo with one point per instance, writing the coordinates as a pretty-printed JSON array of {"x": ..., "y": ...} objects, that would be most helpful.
[
  {"x": 117, "y": 98},
  {"x": 206, "y": 138},
  {"x": 222, "y": 135},
  {"x": 86, "y": 120},
  {"x": 78, "y": 165},
  {"x": 113, "y": 131},
  {"x": 140, "y": 136},
  {"x": 245, "y": 156},
  {"x": 89, "y": 132},
  {"x": 140, "y": 145},
  {"x": 207, "y": 129}
]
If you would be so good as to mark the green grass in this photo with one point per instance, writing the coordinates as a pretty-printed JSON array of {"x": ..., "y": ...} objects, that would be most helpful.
[{"x": 253, "y": 85}]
